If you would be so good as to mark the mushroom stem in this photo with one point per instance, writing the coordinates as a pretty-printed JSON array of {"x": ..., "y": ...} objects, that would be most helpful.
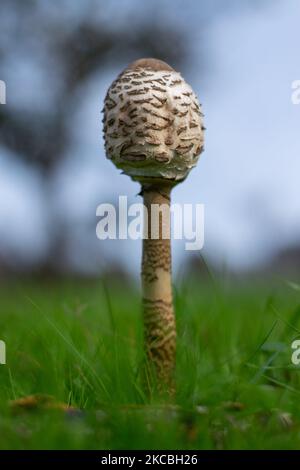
[{"x": 159, "y": 318}]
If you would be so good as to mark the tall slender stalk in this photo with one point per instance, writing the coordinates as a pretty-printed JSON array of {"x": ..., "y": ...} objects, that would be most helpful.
[{"x": 159, "y": 318}]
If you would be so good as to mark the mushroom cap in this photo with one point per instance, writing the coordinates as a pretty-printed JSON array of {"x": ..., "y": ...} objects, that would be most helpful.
[{"x": 153, "y": 124}]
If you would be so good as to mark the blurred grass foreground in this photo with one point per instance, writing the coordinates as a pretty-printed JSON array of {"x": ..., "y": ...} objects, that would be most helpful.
[{"x": 74, "y": 350}]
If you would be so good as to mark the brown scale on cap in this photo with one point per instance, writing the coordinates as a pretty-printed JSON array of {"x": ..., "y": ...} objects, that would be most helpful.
[{"x": 153, "y": 64}]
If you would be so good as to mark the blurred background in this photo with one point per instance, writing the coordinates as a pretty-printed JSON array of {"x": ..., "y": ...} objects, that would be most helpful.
[{"x": 58, "y": 59}]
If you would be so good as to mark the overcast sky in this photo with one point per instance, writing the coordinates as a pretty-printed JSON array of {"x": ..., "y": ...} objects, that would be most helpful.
[{"x": 248, "y": 177}]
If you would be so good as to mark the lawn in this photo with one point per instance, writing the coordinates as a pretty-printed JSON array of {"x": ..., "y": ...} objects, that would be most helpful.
[{"x": 78, "y": 343}]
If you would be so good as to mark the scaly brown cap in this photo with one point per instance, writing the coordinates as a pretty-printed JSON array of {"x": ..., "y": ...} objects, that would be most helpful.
[{"x": 153, "y": 124}]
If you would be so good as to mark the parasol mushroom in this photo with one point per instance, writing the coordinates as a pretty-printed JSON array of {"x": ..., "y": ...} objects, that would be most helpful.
[{"x": 153, "y": 129}]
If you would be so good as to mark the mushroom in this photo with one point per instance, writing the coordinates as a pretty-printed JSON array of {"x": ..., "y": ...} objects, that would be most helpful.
[{"x": 153, "y": 129}]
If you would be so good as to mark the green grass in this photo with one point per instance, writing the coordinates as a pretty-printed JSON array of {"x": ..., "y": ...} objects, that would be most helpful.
[{"x": 81, "y": 342}]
